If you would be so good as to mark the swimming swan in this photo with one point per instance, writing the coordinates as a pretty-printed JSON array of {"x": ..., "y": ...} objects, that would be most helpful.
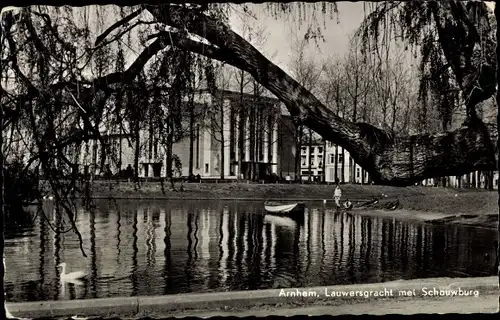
[{"x": 72, "y": 275}]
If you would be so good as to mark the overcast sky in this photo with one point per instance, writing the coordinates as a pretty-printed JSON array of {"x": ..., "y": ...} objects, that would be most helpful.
[{"x": 282, "y": 33}]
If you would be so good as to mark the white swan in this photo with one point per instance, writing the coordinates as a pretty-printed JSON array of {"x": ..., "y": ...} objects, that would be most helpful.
[{"x": 72, "y": 276}]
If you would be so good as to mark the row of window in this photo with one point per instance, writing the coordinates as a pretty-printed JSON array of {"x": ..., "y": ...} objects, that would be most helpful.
[
  {"x": 332, "y": 171},
  {"x": 316, "y": 149},
  {"x": 340, "y": 159}
]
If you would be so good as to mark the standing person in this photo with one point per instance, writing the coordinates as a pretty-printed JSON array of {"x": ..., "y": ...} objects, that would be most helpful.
[{"x": 336, "y": 195}]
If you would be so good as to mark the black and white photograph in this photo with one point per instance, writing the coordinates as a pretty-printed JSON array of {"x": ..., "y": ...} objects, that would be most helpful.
[{"x": 175, "y": 159}]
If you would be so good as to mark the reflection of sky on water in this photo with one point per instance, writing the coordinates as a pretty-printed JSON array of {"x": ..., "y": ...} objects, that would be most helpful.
[{"x": 146, "y": 248}]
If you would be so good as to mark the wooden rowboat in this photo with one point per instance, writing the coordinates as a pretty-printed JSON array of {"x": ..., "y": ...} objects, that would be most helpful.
[{"x": 292, "y": 210}]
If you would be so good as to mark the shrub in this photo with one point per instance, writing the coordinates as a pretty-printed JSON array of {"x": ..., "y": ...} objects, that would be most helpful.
[{"x": 20, "y": 185}]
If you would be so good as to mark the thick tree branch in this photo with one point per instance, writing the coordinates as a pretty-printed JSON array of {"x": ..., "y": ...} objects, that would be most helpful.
[
  {"x": 387, "y": 158},
  {"x": 117, "y": 25}
]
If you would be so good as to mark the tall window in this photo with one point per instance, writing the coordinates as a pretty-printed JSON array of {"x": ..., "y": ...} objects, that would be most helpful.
[
  {"x": 304, "y": 160},
  {"x": 341, "y": 158},
  {"x": 332, "y": 158}
]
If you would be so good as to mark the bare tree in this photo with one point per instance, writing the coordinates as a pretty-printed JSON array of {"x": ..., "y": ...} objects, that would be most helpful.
[
  {"x": 257, "y": 35},
  {"x": 308, "y": 72}
]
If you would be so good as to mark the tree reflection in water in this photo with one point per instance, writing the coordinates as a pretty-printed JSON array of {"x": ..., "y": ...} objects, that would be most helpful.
[{"x": 167, "y": 247}]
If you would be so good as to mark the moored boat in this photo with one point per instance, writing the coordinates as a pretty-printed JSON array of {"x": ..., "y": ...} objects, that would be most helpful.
[{"x": 292, "y": 210}]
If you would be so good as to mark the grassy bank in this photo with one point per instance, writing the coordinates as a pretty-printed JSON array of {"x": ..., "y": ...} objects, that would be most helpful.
[
  {"x": 270, "y": 191},
  {"x": 433, "y": 204}
]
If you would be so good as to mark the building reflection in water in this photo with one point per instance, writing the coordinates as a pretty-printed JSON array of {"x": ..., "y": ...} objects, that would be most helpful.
[{"x": 143, "y": 248}]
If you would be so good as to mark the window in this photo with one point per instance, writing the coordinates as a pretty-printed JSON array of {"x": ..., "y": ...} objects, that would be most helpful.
[
  {"x": 304, "y": 160},
  {"x": 341, "y": 158},
  {"x": 206, "y": 167},
  {"x": 332, "y": 158},
  {"x": 312, "y": 159},
  {"x": 305, "y": 172},
  {"x": 304, "y": 150},
  {"x": 357, "y": 172},
  {"x": 320, "y": 150}
]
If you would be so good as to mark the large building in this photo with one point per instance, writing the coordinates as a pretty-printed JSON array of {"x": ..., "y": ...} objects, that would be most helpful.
[{"x": 267, "y": 137}]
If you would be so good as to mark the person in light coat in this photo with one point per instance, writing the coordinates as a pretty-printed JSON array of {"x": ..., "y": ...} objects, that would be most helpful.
[{"x": 337, "y": 194}]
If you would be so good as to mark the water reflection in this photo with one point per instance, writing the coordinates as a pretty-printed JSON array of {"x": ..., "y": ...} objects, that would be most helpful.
[{"x": 146, "y": 248}]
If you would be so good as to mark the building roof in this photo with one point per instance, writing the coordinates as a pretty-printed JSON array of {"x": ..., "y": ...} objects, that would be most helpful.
[{"x": 236, "y": 96}]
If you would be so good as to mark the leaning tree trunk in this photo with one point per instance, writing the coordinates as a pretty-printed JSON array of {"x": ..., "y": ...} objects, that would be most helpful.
[{"x": 389, "y": 159}]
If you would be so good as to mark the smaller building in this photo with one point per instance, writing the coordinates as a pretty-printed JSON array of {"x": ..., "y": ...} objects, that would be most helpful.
[
  {"x": 331, "y": 162},
  {"x": 311, "y": 162}
]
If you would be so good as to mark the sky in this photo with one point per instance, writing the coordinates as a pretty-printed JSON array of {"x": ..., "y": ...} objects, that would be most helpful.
[{"x": 282, "y": 33}]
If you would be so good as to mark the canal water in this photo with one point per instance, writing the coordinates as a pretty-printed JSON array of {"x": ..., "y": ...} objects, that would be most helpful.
[{"x": 167, "y": 247}]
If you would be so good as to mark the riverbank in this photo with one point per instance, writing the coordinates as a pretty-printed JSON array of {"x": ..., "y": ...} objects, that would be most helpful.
[
  {"x": 435, "y": 295},
  {"x": 437, "y": 205}
]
